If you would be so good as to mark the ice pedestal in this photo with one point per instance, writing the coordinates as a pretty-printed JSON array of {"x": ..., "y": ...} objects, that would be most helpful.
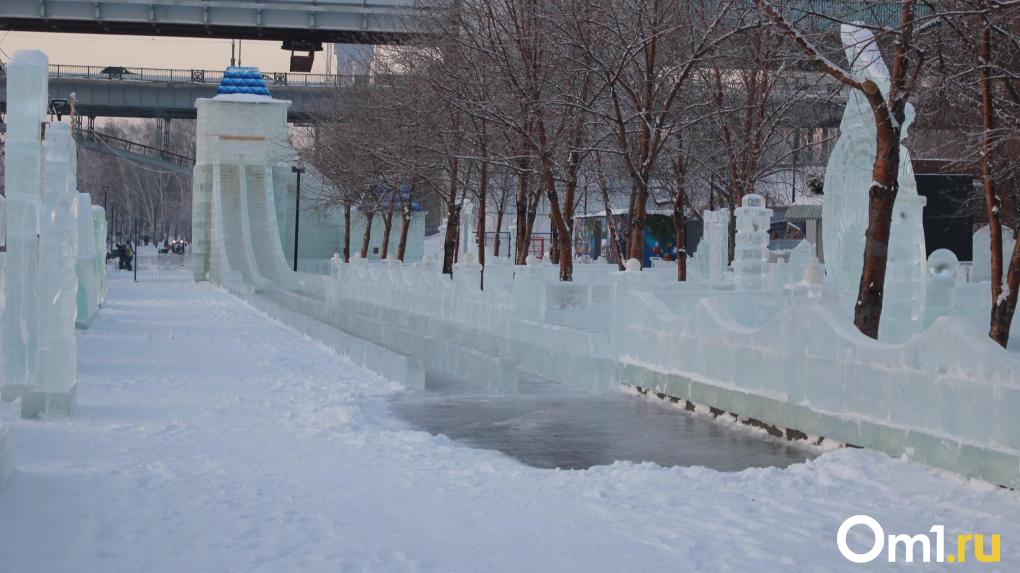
[
  {"x": 27, "y": 80},
  {"x": 54, "y": 392},
  {"x": 88, "y": 286},
  {"x": 751, "y": 254},
  {"x": 848, "y": 179}
]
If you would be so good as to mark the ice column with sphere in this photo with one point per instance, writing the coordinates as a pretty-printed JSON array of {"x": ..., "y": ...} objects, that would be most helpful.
[
  {"x": 718, "y": 239},
  {"x": 54, "y": 394},
  {"x": 88, "y": 287},
  {"x": 848, "y": 180},
  {"x": 751, "y": 255},
  {"x": 27, "y": 79}
]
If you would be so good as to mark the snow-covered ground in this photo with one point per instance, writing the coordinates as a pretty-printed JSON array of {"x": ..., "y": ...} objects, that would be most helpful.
[{"x": 212, "y": 439}]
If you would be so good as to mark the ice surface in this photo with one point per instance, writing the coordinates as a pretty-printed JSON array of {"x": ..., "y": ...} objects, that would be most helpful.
[
  {"x": 58, "y": 283},
  {"x": 27, "y": 82},
  {"x": 848, "y": 178},
  {"x": 547, "y": 425}
]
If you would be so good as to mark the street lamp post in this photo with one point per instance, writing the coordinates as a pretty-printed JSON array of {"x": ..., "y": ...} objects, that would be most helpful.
[{"x": 299, "y": 169}]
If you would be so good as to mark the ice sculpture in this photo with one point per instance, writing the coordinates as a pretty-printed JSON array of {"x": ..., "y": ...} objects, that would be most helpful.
[
  {"x": 99, "y": 228},
  {"x": 54, "y": 392},
  {"x": 718, "y": 239},
  {"x": 242, "y": 180},
  {"x": 88, "y": 285},
  {"x": 848, "y": 178},
  {"x": 751, "y": 254},
  {"x": 27, "y": 79}
]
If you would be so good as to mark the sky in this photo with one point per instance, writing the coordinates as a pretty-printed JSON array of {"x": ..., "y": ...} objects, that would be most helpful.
[{"x": 149, "y": 51}]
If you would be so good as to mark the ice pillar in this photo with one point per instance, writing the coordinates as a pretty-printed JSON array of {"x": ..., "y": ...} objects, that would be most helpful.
[
  {"x": 27, "y": 79},
  {"x": 5, "y": 456},
  {"x": 54, "y": 392},
  {"x": 99, "y": 228},
  {"x": 718, "y": 239},
  {"x": 752, "y": 243},
  {"x": 88, "y": 289}
]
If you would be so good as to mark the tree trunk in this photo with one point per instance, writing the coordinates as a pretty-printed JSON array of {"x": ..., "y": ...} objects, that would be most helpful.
[
  {"x": 614, "y": 241},
  {"x": 680, "y": 219},
  {"x": 450, "y": 239},
  {"x": 347, "y": 232},
  {"x": 1002, "y": 313},
  {"x": 387, "y": 227},
  {"x": 499, "y": 230},
  {"x": 881, "y": 197},
  {"x": 554, "y": 251},
  {"x": 367, "y": 237},
  {"x": 636, "y": 244},
  {"x": 523, "y": 236},
  {"x": 405, "y": 224},
  {"x": 483, "y": 192}
]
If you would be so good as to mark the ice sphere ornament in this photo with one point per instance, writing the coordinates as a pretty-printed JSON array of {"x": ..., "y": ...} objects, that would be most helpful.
[
  {"x": 848, "y": 179},
  {"x": 54, "y": 391},
  {"x": 27, "y": 82}
]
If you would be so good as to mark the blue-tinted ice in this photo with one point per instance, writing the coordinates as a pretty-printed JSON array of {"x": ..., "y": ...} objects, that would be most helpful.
[{"x": 548, "y": 425}]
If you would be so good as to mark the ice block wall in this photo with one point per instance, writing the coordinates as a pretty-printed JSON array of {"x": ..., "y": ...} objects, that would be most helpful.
[
  {"x": 23, "y": 164},
  {"x": 54, "y": 392}
]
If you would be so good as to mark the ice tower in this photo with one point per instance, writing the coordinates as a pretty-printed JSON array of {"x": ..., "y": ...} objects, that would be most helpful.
[
  {"x": 848, "y": 178},
  {"x": 27, "y": 79},
  {"x": 242, "y": 174}
]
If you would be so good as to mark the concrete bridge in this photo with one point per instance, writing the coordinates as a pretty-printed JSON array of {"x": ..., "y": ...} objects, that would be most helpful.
[
  {"x": 316, "y": 21},
  {"x": 165, "y": 93}
]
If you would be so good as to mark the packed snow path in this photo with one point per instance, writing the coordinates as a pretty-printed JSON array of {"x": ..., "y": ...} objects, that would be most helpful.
[{"x": 209, "y": 439}]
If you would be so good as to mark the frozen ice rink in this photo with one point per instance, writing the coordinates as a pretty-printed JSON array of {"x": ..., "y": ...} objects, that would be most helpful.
[{"x": 210, "y": 438}]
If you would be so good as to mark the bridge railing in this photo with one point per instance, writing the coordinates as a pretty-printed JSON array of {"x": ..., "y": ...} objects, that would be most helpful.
[{"x": 190, "y": 76}]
